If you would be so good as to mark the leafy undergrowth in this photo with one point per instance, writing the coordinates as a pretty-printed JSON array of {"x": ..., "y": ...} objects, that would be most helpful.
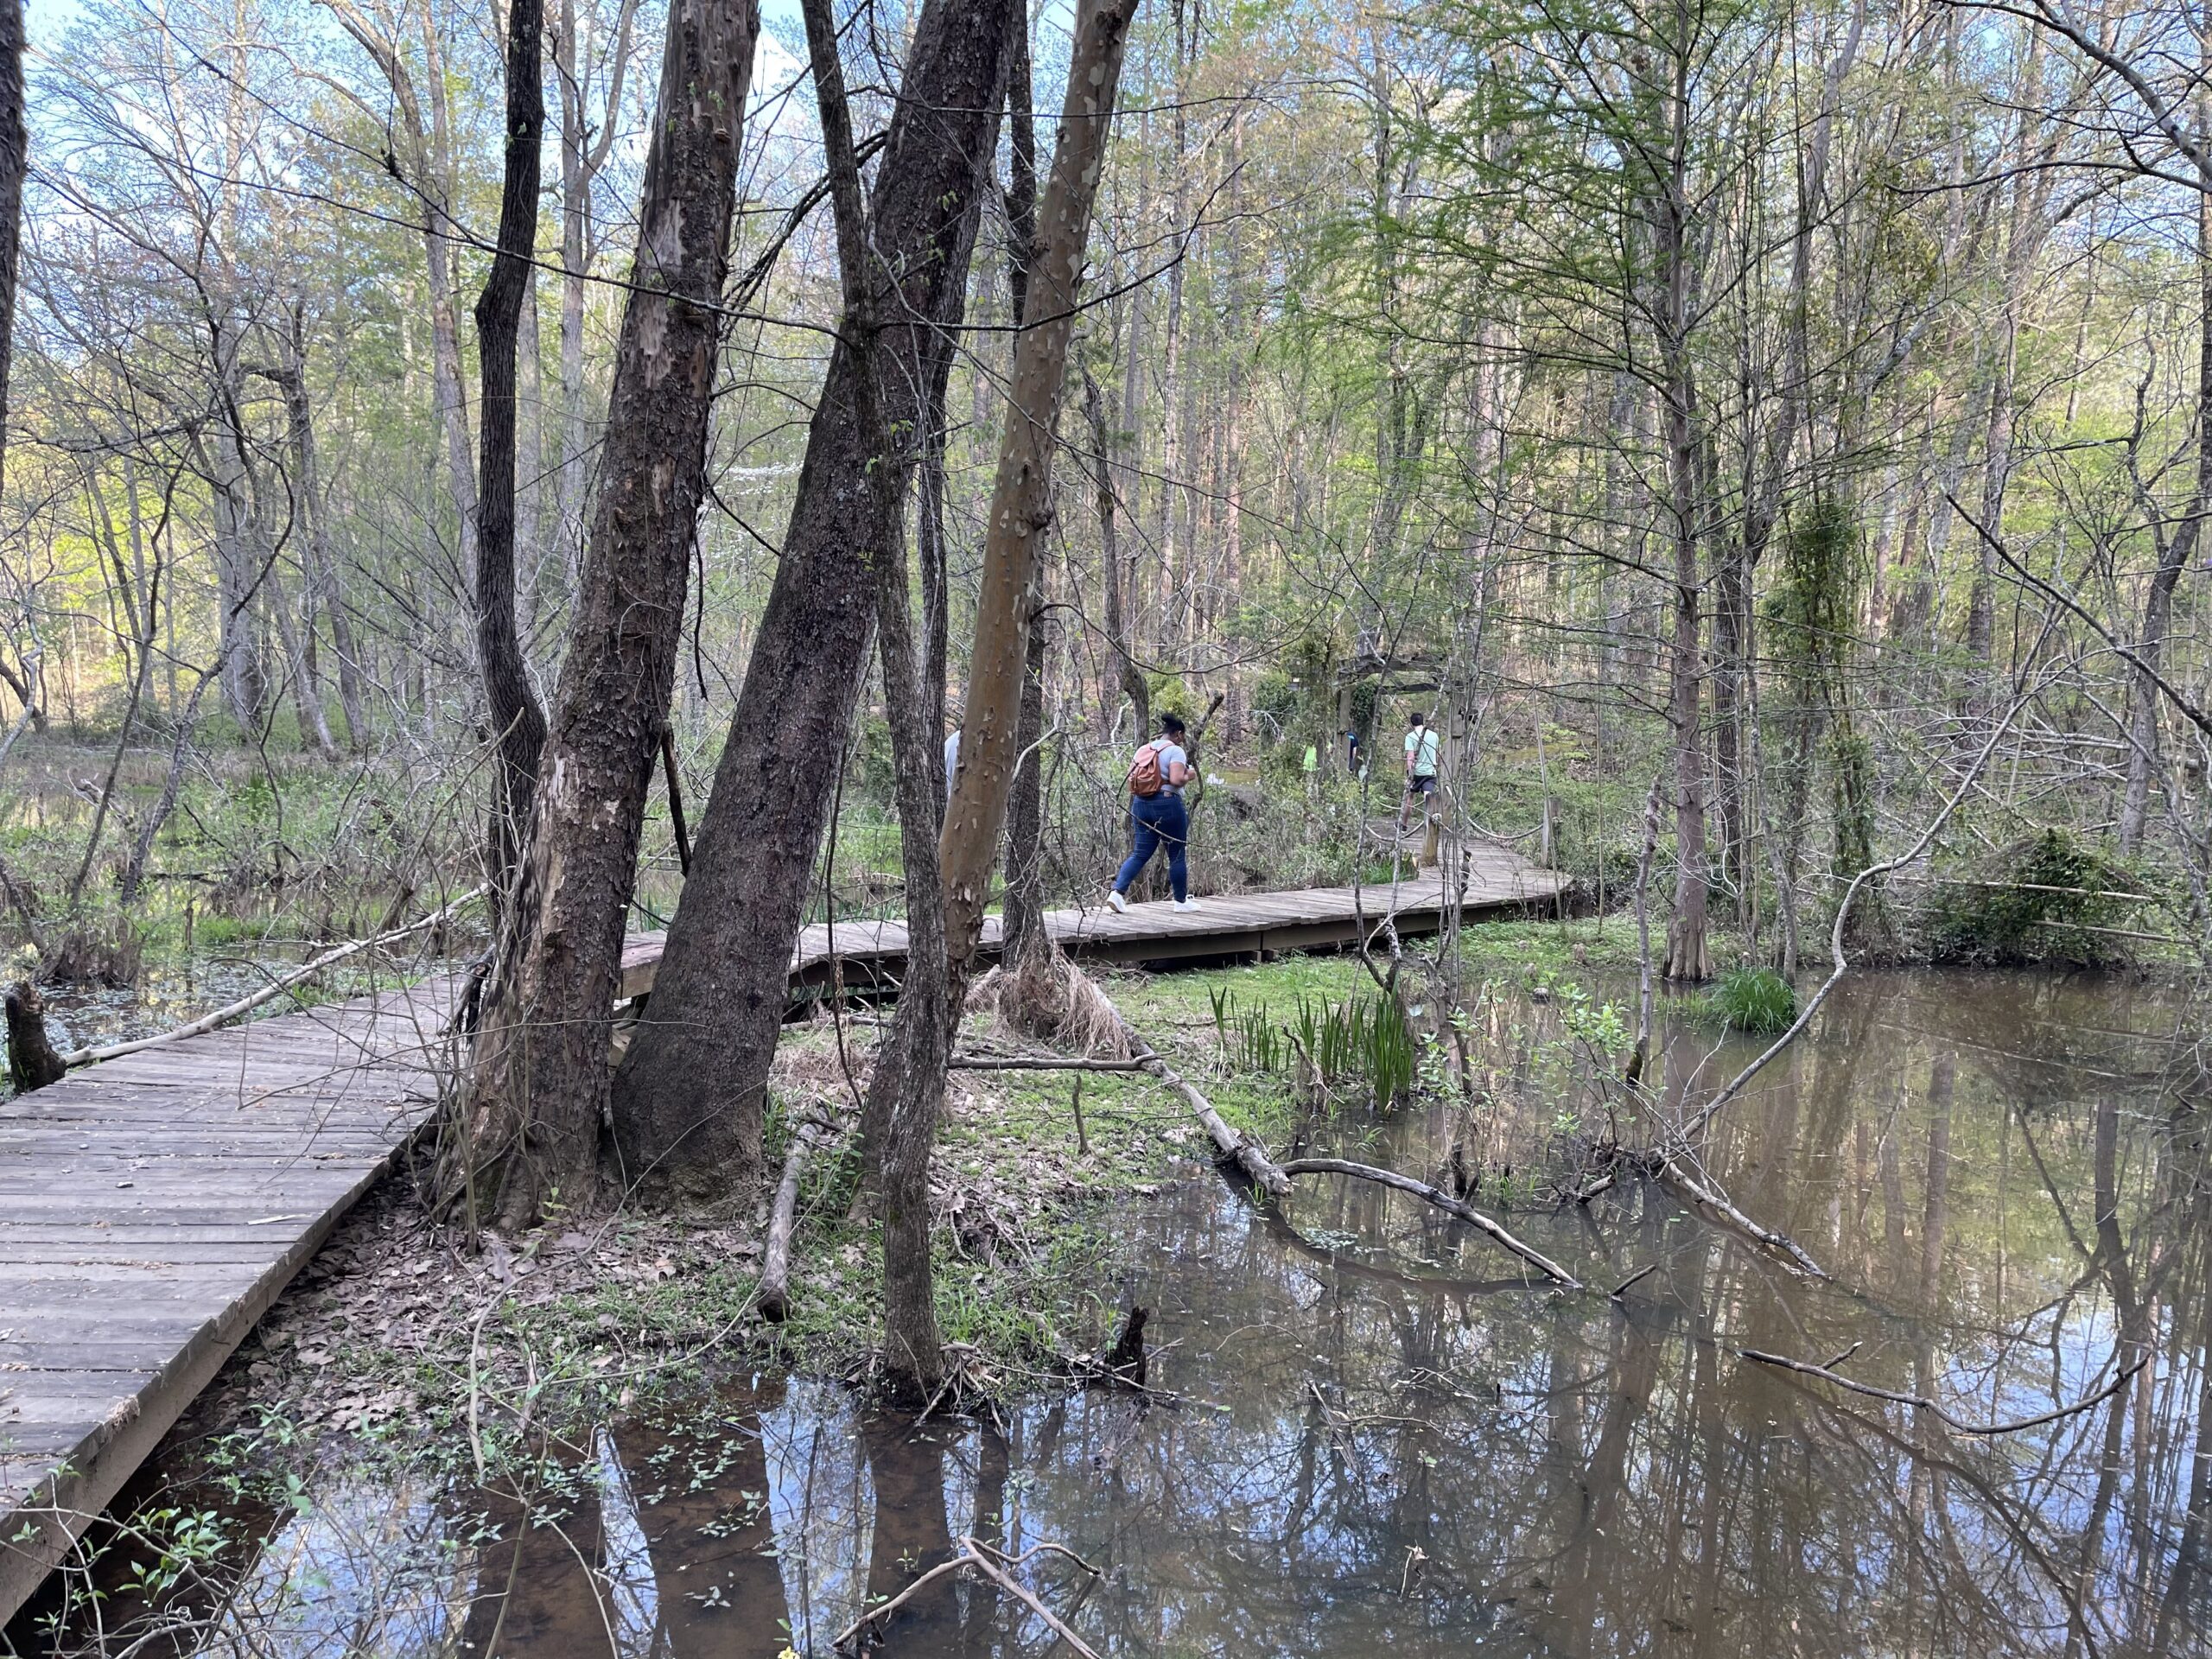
[{"x": 2045, "y": 898}]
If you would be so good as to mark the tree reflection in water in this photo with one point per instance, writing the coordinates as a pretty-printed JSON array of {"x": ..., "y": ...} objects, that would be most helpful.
[{"x": 1395, "y": 1445}]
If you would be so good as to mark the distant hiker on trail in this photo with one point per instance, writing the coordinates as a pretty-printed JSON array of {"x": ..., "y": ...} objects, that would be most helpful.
[
  {"x": 1421, "y": 749},
  {"x": 1155, "y": 784}
]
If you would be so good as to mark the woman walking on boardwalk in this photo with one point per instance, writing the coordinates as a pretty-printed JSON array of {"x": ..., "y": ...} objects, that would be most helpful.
[{"x": 1155, "y": 783}]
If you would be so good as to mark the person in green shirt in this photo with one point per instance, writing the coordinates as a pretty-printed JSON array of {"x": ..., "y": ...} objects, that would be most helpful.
[{"x": 1422, "y": 747}]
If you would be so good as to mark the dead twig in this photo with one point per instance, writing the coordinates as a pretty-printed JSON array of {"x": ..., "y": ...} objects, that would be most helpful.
[
  {"x": 1037, "y": 1062},
  {"x": 774, "y": 1298},
  {"x": 979, "y": 1557},
  {"x": 269, "y": 992},
  {"x": 1782, "y": 1362}
]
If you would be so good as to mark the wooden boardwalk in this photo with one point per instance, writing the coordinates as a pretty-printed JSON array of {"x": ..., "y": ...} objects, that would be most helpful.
[
  {"x": 1299, "y": 919},
  {"x": 153, "y": 1207}
]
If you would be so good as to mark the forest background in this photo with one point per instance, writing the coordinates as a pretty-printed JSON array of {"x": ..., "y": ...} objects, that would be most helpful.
[{"x": 1743, "y": 426}]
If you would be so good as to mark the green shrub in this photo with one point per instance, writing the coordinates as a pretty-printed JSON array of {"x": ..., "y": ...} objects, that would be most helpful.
[{"x": 2039, "y": 900}]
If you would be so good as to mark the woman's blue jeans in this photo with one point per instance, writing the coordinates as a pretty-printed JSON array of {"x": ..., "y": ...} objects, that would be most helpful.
[{"x": 1161, "y": 821}]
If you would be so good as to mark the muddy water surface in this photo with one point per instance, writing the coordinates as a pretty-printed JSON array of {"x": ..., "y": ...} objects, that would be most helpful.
[{"x": 1382, "y": 1439}]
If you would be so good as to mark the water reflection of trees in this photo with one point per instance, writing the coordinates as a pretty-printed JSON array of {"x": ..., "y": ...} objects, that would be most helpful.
[{"x": 1384, "y": 1443}]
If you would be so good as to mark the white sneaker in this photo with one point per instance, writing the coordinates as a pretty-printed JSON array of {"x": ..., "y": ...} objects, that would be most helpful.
[
  {"x": 1120, "y": 904},
  {"x": 1187, "y": 904}
]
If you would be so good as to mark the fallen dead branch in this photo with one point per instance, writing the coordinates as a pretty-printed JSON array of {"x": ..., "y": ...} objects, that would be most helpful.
[
  {"x": 1714, "y": 1207},
  {"x": 1806, "y": 1368},
  {"x": 1444, "y": 1201},
  {"x": 774, "y": 1298},
  {"x": 1036, "y": 1063},
  {"x": 1230, "y": 1145},
  {"x": 270, "y": 992},
  {"x": 974, "y": 1556}
]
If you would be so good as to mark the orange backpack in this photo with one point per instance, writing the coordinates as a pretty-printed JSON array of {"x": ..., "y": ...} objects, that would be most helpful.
[{"x": 1144, "y": 773}]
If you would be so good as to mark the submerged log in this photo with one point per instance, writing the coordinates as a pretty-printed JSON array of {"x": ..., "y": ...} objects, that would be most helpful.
[
  {"x": 32, "y": 1062},
  {"x": 1705, "y": 1202},
  {"x": 1444, "y": 1201}
]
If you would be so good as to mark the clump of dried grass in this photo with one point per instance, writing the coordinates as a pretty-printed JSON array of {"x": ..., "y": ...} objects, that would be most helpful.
[{"x": 1047, "y": 998}]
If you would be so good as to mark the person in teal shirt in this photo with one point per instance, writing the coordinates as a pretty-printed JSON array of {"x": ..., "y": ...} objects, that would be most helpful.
[{"x": 1422, "y": 749}]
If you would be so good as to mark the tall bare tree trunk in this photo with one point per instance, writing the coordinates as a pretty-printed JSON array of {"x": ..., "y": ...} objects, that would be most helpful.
[
  {"x": 518, "y": 724},
  {"x": 907, "y": 1091},
  {"x": 689, "y": 1097},
  {"x": 430, "y": 137},
  {"x": 1021, "y": 495},
  {"x": 321, "y": 595},
  {"x": 14, "y": 162},
  {"x": 441, "y": 245},
  {"x": 1128, "y": 678},
  {"x": 1023, "y": 925},
  {"x": 585, "y": 146},
  {"x": 541, "y": 1080},
  {"x": 2174, "y": 556},
  {"x": 1686, "y": 954},
  {"x": 241, "y": 556}
]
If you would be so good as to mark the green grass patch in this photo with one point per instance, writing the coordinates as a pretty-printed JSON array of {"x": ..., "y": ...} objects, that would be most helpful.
[{"x": 1752, "y": 998}]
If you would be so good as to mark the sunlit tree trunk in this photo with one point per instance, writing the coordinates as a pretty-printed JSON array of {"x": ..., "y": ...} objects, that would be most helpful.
[
  {"x": 1021, "y": 495},
  {"x": 14, "y": 162}
]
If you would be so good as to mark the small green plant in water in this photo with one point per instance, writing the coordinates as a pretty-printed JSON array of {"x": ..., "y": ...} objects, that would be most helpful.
[{"x": 1753, "y": 999}]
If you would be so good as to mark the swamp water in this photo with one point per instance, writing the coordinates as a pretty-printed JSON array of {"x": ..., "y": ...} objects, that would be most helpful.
[{"x": 1383, "y": 1440}]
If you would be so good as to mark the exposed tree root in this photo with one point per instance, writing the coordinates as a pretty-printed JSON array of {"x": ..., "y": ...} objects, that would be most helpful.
[{"x": 1048, "y": 999}]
